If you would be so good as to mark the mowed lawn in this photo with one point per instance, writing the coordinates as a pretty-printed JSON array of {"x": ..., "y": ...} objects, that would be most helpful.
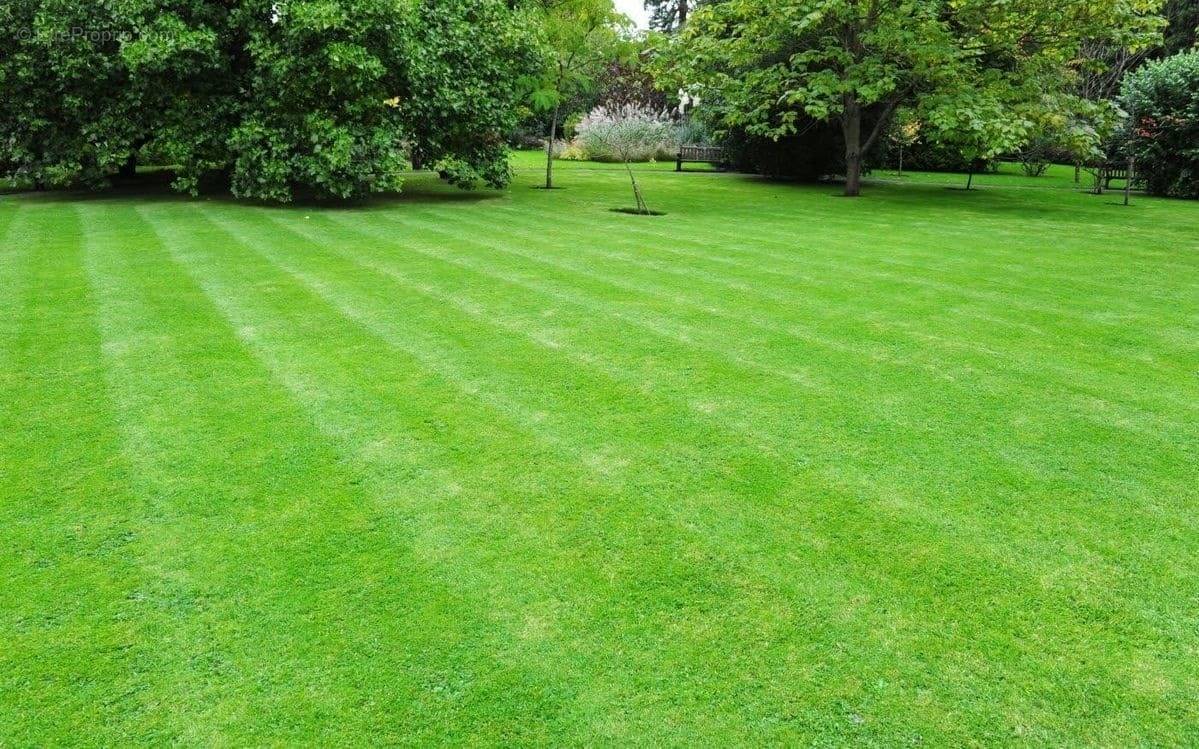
[{"x": 508, "y": 467}]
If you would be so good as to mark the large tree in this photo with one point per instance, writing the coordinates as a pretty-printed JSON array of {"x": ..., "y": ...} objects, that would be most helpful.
[
  {"x": 327, "y": 96},
  {"x": 976, "y": 71}
]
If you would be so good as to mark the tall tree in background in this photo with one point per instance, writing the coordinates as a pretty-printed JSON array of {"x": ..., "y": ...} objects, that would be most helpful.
[
  {"x": 1182, "y": 33},
  {"x": 669, "y": 15},
  {"x": 582, "y": 38},
  {"x": 1105, "y": 66},
  {"x": 977, "y": 72}
]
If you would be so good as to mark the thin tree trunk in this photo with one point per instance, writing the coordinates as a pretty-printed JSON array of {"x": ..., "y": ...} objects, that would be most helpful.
[
  {"x": 970, "y": 177},
  {"x": 682, "y": 13},
  {"x": 900, "y": 173},
  {"x": 549, "y": 151},
  {"x": 851, "y": 129},
  {"x": 1128, "y": 182},
  {"x": 642, "y": 208}
]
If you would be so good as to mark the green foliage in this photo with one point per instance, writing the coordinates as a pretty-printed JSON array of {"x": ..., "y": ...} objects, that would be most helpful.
[
  {"x": 328, "y": 96},
  {"x": 65, "y": 112},
  {"x": 1182, "y": 34},
  {"x": 463, "y": 91},
  {"x": 581, "y": 39},
  {"x": 979, "y": 74},
  {"x": 315, "y": 111},
  {"x": 1162, "y": 133}
]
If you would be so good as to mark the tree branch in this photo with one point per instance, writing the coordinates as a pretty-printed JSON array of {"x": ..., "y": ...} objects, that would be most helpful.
[{"x": 885, "y": 118}]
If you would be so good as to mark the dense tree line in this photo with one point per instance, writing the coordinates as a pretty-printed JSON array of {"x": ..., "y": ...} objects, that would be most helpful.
[
  {"x": 268, "y": 96},
  {"x": 982, "y": 77}
]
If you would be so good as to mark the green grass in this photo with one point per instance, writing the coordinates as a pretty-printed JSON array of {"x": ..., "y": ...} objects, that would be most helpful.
[{"x": 512, "y": 468}]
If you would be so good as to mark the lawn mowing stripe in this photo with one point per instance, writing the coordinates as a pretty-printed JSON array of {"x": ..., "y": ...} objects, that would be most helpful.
[
  {"x": 69, "y": 652},
  {"x": 932, "y": 208},
  {"x": 307, "y": 251},
  {"x": 294, "y": 245},
  {"x": 860, "y": 224},
  {"x": 471, "y": 390},
  {"x": 361, "y": 222},
  {"x": 902, "y": 583},
  {"x": 700, "y": 233},
  {"x": 799, "y": 376},
  {"x": 787, "y": 303},
  {"x": 538, "y": 237},
  {"x": 815, "y": 207},
  {"x": 14, "y": 280},
  {"x": 856, "y": 268},
  {"x": 618, "y": 282},
  {"x": 934, "y": 367},
  {"x": 920, "y": 236},
  {"x": 755, "y": 420},
  {"x": 851, "y": 271},
  {"x": 256, "y": 613},
  {"x": 686, "y": 338}
]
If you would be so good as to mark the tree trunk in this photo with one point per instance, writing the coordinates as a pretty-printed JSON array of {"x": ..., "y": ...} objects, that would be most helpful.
[
  {"x": 900, "y": 173},
  {"x": 851, "y": 129},
  {"x": 682, "y": 13},
  {"x": 970, "y": 177},
  {"x": 128, "y": 170},
  {"x": 642, "y": 208},
  {"x": 549, "y": 151}
]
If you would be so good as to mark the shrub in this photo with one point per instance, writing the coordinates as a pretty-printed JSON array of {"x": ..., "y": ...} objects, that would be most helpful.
[
  {"x": 692, "y": 131},
  {"x": 1162, "y": 131},
  {"x": 631, "y": 132},
  {"x": 1036, "y": 155}
]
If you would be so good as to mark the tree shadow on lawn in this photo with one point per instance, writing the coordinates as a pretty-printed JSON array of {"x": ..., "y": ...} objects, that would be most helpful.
[
  {"x": 1002, "y": 201},
  {"x": 420, "y": 189}
]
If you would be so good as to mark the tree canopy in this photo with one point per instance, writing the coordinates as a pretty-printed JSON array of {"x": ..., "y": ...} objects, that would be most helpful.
[
  {"x": 581, "y": 39},
  {"x": 979, "y": 74},
  {"x": 328, "y": 96}
]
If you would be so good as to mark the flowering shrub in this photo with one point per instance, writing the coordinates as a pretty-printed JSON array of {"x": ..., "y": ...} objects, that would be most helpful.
[
  {"x": 626, "y": 133},
  {"x": 1162, "y": 133}
]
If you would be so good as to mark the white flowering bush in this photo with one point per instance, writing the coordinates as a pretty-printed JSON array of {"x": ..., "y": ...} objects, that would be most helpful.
[
  {"x": 626, "y": 134},
  {"x": 629, "y": 133}
]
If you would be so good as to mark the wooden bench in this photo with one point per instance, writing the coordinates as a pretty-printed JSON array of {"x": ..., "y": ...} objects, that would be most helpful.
[
  {"x": 700, "y": 155},
  {"x": 1111, "y": 172}
]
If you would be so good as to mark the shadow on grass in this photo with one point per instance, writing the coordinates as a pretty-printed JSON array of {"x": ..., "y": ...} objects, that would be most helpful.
[
  {"x": 420, "y": 188},
  {"x": 635, "y": 212}
]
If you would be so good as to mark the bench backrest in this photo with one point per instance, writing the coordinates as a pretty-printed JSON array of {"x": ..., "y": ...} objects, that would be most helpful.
[{"x": 701, "y": 153}]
